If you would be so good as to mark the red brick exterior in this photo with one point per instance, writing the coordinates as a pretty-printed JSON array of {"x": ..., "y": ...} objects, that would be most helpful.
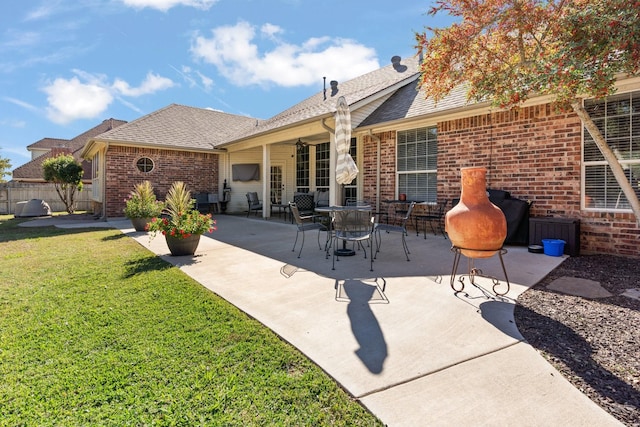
[
  {"x": 198, "y": 170},
  {"x": 532, "y": 152}
]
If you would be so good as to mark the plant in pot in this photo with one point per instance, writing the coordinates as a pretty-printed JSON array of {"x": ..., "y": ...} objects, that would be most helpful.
[
  {"x": 141, "y": 205},
  {"x": 182, "y": 225}
]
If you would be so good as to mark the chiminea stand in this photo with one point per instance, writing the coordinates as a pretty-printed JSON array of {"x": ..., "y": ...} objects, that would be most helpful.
[{"x": 476, "y": 272}]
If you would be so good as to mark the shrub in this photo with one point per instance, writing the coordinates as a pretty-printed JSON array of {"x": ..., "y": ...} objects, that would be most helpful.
[
  {"x": 183, "y": 220},
  {"x": 142, "y": 202}
]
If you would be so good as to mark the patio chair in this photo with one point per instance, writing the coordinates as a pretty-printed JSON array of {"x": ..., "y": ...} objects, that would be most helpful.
[
  {"x": 305, "y": 203},
  {"x": 401, "y": 228},
  {"x": 322, "y": 199},
  {"x": 203, "y": 203},
  {"x": 305, "y": 223},
  {"x": 432, "y": 214},
  {"x": 356, "y": 226},
  {"x": 254, "y": 203}
]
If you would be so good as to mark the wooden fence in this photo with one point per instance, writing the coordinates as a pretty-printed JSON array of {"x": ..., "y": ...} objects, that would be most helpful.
[{"x": 14, "y": 192}]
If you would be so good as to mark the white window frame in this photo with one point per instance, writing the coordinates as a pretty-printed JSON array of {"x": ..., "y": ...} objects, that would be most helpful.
[
  {"x": 606, "y": 196},
  {"x": 431, "y": 171}
]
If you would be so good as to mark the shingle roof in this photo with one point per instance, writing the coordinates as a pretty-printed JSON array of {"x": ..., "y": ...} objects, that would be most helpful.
[
  {"x": 409, "y": 102},
  {"x": 179, "y": 126},
  {"x": 355, "y": 90},
  {"x": 48, "y": 143},
  {"x": 32, "y": 170}
]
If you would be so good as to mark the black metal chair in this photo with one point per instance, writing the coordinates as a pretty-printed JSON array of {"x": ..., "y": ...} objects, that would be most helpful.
[
  {"x": 253, "y": 202},
  {"x": 434, "y": 215},
  {"x": 205, "y": 203},
  {"x": 353, "y": 225},
  {"x": 305, "y": 203},
  {"x": 400, "y": 227},
  {"x": 305, "y": 223}
]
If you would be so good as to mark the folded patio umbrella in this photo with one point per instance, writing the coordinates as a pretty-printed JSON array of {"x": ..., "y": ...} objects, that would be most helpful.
[{"x": 346, "y": 169}]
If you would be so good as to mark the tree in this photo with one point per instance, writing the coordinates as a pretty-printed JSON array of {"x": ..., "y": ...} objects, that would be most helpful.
[
  {"x": 66, "y": 174},
  {"x": 5, "y": 167},
  {"x": 507, "y": 51}
]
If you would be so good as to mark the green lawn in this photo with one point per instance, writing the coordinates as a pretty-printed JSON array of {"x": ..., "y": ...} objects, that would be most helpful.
[{"x": 95, "y": 330}]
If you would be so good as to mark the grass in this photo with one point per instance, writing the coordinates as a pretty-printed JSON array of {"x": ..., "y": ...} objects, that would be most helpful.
[{"x": 95, "y": 330}]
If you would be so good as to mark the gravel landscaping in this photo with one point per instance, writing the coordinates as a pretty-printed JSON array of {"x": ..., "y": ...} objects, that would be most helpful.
[{"x": 593, "y": 342}]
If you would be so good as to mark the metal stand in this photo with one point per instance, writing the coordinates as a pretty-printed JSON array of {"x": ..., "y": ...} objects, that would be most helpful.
[{"x": 473, "y": 272}]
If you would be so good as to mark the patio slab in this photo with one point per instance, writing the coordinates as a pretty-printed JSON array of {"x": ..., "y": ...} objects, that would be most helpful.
[{"x": 423, "y": 354}]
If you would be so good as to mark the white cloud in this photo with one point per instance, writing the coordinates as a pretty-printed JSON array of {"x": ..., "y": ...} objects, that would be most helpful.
[
  {"x": 14, "y": 123},
  {"x": 89, "y": 95},
  {"x": 233, "y": 51},
  {"x": 192, "y": 76},
  {"x": 270, "y": 30},
  {"x": 21, "y": 39},
  {"x": 164, "y": 5},
  {"x": 20, "y": 103},
  {"x": 207, "y": 82},
  {"x": 151, "y": 84},
  {"x": 43, "y": 11},
  {"x": 71, "y": 99}
]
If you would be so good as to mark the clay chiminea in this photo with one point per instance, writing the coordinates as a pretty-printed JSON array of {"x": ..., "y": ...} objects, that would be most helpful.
[{"x": 475, "y": 225}]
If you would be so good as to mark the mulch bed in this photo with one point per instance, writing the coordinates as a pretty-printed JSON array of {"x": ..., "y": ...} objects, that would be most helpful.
[{"x": 594, "y": 343}]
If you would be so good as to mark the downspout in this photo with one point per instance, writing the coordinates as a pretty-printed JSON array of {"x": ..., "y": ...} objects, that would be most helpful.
[
  {"x": 328, "y": 129},
  {"x": 104, "y": 183},
  {"x": 378, "y": 161}
]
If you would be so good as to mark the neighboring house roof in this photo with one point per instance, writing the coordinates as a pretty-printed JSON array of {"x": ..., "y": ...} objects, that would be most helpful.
[
  {"x": 32, "y": 170},
  {"x": 48, "y": 144},
  {"x": 178, "y": 126}
]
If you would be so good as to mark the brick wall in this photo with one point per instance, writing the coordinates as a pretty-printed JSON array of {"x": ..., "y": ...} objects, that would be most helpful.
[
  {"x": 387, "y": 166},
  {"x": 198, "y": 170},
  {"x": 533, "y": 152}
]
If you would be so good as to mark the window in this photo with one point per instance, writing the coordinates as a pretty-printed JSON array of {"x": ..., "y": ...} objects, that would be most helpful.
[
  {"x": 302, "y": 169},
  {"x": 144, "y": 164},
  {"x": 417, "y": 157},
  {"x": 322, "y": 166},
  {"x": 618, "y": 118},
  {"x": 351, "y": 190}
]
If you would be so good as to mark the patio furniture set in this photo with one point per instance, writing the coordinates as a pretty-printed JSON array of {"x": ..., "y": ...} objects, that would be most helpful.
[{"x": 354, "y": 223}]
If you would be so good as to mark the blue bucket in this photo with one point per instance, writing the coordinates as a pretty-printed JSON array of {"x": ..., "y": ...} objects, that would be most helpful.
[{"x": 553, "y": 247}]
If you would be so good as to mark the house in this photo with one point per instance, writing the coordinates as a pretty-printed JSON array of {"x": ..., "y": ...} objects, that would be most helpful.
[
  {"x": 175, "y": 143},
  {"x": 52, "y": 147},
  {"x": 28, "y": 182},
  {"x": 401, "y": 142}
]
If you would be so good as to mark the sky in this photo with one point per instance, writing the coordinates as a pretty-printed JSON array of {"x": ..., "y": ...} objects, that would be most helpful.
[{"x": 67, "y": 65}]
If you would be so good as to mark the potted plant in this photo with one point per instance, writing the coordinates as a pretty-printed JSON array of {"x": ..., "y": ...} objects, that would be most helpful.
[
  {"x": 141, "y": 205},
  {"x": 182, "y": 225}
]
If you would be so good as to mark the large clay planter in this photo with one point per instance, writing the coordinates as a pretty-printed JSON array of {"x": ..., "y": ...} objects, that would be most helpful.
[
  {"x": 139, "y": 224},
  {"x": 475, "y": 222},
  {"x": 180, "y": 247}
]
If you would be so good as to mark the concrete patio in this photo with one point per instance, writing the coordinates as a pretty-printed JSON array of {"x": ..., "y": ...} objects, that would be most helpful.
[{"x": 399, "y": 339}]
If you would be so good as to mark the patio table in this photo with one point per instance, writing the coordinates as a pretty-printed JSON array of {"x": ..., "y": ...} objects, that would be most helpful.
[{"x": 328, "y": 210}]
